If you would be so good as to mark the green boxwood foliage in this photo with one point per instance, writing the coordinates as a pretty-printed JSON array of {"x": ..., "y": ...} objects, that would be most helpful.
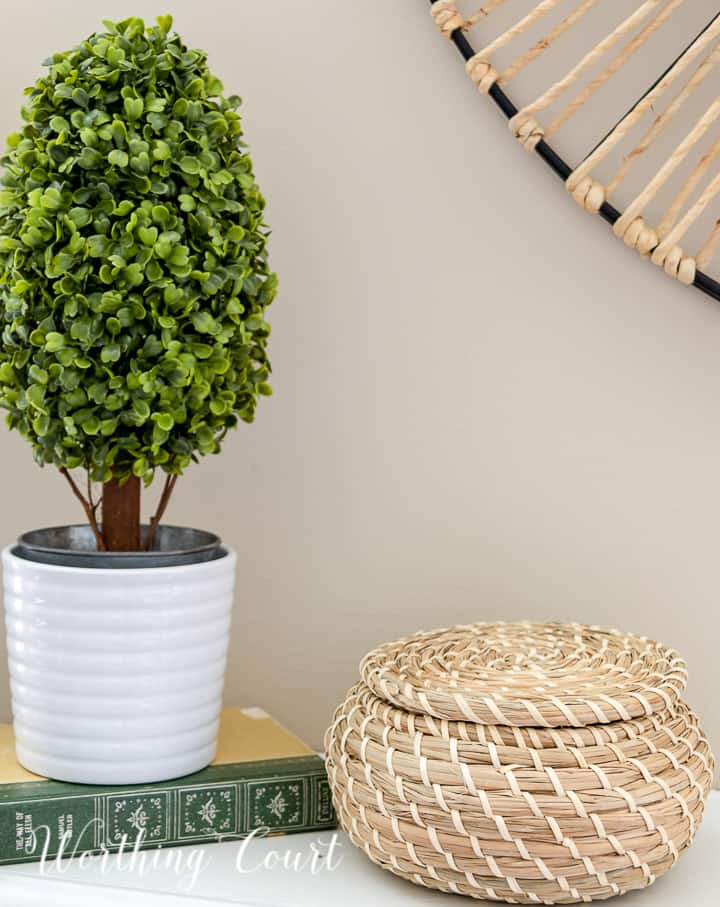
[{"x": 133, "y": 271}]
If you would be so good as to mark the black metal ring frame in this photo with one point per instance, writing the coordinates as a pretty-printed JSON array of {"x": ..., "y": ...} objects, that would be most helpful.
[{"x": 610, "y": 214}]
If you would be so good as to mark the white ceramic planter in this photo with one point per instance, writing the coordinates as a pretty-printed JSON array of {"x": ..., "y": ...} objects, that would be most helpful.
[{"x": 117, "y": 674}]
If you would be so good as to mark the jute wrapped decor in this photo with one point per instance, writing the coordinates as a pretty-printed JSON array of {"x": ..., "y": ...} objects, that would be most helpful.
[
  {"x": 528, "y": 763},
  {"x": 654, "y": 175}
]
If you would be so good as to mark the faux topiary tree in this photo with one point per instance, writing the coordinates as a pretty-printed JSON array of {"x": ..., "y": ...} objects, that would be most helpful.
[{"x": 133, "y": 272}]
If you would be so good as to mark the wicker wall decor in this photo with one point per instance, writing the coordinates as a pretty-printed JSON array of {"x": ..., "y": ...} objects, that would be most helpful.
[
  {"x": 659, "y": 157},
  {"x": 527, "y": 763}
]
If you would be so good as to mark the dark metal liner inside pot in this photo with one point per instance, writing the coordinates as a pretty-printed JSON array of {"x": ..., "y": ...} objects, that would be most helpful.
[{"x": 74, "y": 546}]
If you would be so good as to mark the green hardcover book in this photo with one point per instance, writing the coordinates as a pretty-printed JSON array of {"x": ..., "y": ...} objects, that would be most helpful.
[{"x": 263, "y": 780}]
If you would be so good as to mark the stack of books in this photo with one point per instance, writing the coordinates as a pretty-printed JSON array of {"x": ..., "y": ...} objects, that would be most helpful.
[{"x": 264, "y": 780}]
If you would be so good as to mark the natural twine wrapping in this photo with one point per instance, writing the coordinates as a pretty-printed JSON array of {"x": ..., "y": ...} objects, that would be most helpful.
[{"x": 581, "y": 774}]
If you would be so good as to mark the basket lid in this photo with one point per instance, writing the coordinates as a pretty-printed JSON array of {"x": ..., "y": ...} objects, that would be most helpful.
[{"x": 527, "y": 674}]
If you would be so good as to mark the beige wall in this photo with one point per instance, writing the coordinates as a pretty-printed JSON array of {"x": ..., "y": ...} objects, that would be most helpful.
[{"x": 485, "y": 407}]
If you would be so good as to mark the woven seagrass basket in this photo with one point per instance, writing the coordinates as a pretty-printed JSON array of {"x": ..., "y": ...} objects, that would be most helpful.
[{"x": 528, "y": 763}]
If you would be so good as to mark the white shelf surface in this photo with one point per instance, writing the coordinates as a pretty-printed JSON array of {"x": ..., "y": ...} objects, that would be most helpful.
[{"x": 694, "y": 882}]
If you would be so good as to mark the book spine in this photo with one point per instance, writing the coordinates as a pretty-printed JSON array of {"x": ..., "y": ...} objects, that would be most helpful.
[{"x": 71, "y": 824}]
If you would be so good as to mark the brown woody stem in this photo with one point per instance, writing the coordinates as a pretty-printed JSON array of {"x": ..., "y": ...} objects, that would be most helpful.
[
  {"x": 93, "y": 503},
  {"x": 167, "y": 491},
  {"x": 121, "y": 514},
  {"x": 88, "y": 508}
]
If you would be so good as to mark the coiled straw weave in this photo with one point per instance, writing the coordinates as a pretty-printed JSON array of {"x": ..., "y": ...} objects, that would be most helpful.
[{"x": 526, "y": 763}]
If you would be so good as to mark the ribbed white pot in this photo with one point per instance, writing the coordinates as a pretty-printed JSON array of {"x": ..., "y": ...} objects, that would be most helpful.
[{"x": 117, "y": 674}]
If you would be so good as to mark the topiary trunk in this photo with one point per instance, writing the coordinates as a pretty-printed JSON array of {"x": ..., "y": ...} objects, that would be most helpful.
[{"x": 121, "y": 515}]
